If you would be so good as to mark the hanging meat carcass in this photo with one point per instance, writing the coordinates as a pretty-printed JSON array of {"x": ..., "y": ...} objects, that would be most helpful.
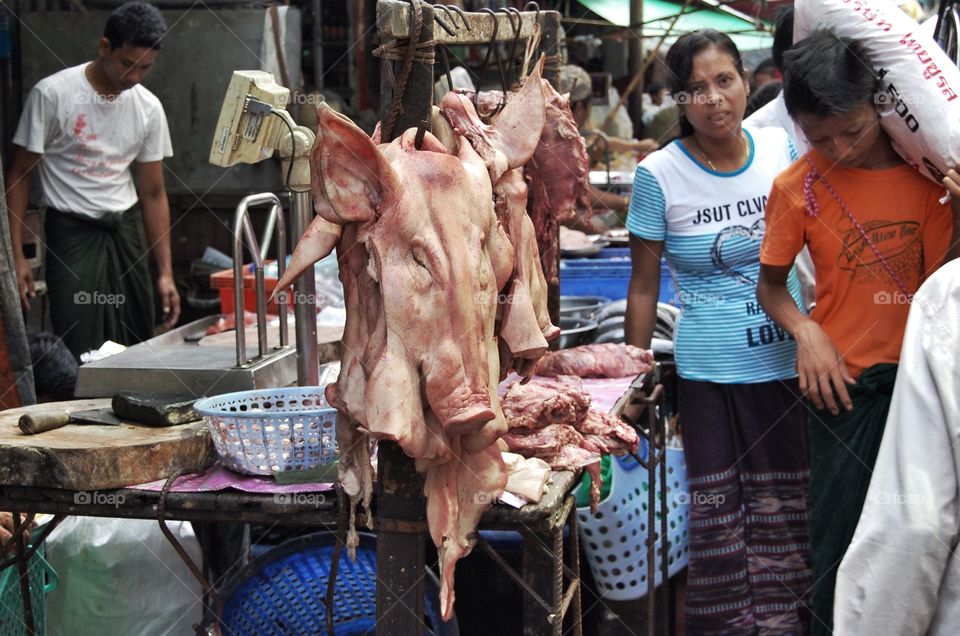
[
  {"x": 423, "y": 260},
  {"x": 559, "y": 177},
  {"x": 525, "y": 300},
  {"x": 558, "y": 173}
]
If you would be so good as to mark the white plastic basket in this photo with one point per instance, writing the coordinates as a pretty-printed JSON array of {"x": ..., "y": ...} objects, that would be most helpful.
[
  {"x": 614, "y": 539},
  {"x": 267, "y": 431}
]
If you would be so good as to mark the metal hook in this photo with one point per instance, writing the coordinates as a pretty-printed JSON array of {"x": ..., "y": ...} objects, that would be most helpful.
[
  {"x": 443, "y": 25},
  {"x": 536, "y": 7},
  {"x": 463, "y": 16},
  {"x": 486, "y": 58},
  {"x": 421, "y": 131},
  {"x": 446, "y": 67},
  {"x": 504, "y": 84},
  {"x": 516, "y": 37}
]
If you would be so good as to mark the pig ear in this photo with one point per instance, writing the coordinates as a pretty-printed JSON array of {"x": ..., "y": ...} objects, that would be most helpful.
[
  {"x": 349, "y": 168},
  {"x": 521, "y": 121}
]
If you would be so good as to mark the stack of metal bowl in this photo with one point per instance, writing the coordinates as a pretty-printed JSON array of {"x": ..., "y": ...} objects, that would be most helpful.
[{"x": 577, "y": 323}]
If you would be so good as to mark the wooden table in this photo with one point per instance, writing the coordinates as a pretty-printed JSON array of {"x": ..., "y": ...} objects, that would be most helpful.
[{"x": 541, "y": 525}]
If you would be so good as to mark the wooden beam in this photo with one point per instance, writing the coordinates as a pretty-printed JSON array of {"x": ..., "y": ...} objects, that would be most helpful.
[
  {"x": 394, "y": 19},
  {"x": 401, "y": 555},
  {"x": 417, "y": 99}
]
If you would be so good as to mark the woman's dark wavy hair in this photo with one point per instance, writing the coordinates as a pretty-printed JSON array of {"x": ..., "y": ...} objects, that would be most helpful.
[
  {"x": 680, "y": 62},
  {"x": 136, "y": 24},
  {"x": 825, "y": 74}
]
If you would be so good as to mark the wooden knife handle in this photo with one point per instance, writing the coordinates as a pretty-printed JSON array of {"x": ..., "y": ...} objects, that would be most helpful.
[{"x": 31, "y": 424}]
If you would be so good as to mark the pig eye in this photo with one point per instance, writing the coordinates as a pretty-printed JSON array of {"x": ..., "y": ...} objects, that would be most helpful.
[{"x": 419, "y": 257}]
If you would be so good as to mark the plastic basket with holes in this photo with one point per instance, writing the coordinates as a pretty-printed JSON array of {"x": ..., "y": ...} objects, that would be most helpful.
[
  {"x": 268, "y": 431},
  {"x": 614, "y": 540}
]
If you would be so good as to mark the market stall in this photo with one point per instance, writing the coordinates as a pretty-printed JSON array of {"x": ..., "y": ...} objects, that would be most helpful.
[{"x": 435, "y": 399}]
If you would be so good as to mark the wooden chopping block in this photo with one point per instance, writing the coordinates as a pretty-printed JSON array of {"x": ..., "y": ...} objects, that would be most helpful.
[{"x": 95, "y": 457}]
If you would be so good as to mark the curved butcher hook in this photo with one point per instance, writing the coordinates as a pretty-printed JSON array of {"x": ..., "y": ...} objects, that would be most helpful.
[
  {"x": 535, "y": 7},
  {"x": 486, "y": 59},
  {"x": 443, "y": 49},
  {"x": 516, "y": 26},
  {"x": 516, "y": 37},
  {"x": 443, "y": 25},
  {"x": 447, "y": 8}
]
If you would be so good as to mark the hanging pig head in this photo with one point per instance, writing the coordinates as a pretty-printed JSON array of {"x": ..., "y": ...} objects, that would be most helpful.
[{"x": 425, "y": 254}]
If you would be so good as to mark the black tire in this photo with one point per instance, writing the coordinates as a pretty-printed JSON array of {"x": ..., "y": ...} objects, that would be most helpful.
[
  {"x": 610, "y": 324},
  {"x": 616, "y": 308},
  {"x": 615, "y": 336}
]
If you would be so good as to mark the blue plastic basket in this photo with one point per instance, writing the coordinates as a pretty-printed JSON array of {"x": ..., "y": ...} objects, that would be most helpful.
[
  {"x": 43, "y": 580},
  {"x": 268, "y": 431},
  {"x": 282, "y": 592},
  {"x": 615, "y": 539}
]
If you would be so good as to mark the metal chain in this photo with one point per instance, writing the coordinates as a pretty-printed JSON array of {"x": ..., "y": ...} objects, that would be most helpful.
[{"x": 813, "y": 209}]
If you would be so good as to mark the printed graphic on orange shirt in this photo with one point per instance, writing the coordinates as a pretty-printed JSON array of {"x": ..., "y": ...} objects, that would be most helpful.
[{"x": 897, "y": 241}]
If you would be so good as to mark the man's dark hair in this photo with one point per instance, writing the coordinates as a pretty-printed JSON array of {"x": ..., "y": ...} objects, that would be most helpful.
[
  {"x": 680, "y": 62},
  {"x": 766, "y": 66},
  {"x": 136, "y": 24},
  {"x": 653, "y": 89},
  {"x": 762, "y": 96},
  {"x": 782, "y": 35},
  {"x": 54, "y": 367},
  {"x": 825, "y": 75}
]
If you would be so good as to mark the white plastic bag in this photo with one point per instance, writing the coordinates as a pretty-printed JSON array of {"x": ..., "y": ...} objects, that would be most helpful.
[
  {"x": 121, "y": 577},
  {"x": 921, "y": 84}
]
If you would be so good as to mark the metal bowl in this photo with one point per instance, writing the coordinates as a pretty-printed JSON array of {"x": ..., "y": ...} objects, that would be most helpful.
[
  {"x": 576, "y": 331},
  {"x": 581, "y": 306},
  {"x": 584, "y": 252}
]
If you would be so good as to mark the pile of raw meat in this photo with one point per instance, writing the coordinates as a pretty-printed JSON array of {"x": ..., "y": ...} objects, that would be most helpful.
[
  {"x": 552, "y": 419},
  {"x": 609, "y": 360},
  {"x": 444, "y": 292}
]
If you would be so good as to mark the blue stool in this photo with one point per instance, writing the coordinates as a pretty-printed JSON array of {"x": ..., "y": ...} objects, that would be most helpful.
[{"x": 282, "y": 592}]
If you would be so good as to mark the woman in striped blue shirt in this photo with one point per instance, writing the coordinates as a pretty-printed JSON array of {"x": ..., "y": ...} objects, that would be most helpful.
[{"x": 700, "y": 203}]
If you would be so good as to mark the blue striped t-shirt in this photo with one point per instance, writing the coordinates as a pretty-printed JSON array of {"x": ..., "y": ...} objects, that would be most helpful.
[{"x": 712, "y": 224}]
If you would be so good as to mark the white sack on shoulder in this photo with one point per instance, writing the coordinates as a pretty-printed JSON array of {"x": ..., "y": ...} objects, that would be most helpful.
[{"x": 920, "y": 83}]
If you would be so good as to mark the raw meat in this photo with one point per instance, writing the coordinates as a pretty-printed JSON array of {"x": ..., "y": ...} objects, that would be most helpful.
[
  {"x": 558, "y": 176},
  {"x": 551, "y": 419},
  {"x": 611, "y": 434},
  {"x": 574, "y": 240},
  {"x": 523, "y": 308},
  {"x": 597, "y": 361},
  {"x": 559, "y": 445},
  {"x": 422, "y": 259},
  {"x": 543, "y": 401}
]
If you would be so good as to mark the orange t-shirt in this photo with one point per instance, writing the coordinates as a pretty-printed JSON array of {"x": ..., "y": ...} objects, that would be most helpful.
[{"x": 858, "y": 303}]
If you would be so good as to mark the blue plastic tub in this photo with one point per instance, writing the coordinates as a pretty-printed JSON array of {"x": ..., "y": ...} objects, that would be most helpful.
[
  {"x": 282, "y": 592},
  {"x": 608, "y": 277}
]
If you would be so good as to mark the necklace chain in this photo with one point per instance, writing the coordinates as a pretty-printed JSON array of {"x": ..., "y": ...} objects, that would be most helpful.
[{"x": 703, "y": 153}]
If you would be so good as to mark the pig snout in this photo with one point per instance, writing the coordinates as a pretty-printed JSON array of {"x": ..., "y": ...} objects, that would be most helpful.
[{"x": 455, "y": 389}]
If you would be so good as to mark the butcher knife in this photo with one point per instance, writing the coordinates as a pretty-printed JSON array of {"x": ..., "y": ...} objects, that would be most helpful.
[
  {"x": 155, "y": 410},
  {"x": 33, "y": 423}
]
